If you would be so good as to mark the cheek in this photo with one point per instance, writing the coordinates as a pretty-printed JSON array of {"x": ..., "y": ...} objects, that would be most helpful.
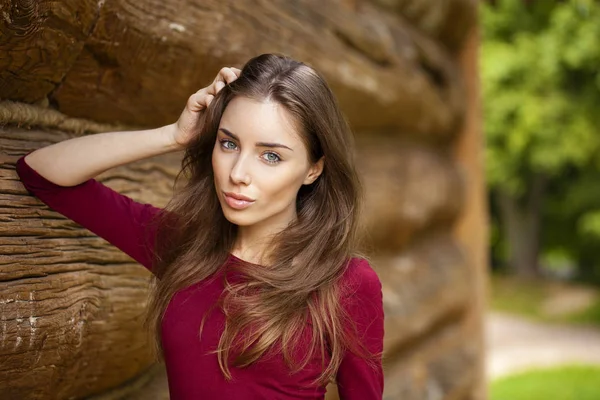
[
  {"x": 218, "y": 165},
  {"x": 281, "y": 187}
]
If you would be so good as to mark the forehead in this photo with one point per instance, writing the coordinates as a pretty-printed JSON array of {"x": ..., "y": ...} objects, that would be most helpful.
[{"x": 261, "y": 121}]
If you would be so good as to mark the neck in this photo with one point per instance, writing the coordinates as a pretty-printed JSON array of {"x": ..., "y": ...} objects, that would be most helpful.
[{"x": 252, "y": 242}]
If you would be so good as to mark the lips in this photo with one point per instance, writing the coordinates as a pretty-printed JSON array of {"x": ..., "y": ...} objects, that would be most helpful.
[
  {"x": 237, "y": 201},
  {"x": 238, "y": 196}
]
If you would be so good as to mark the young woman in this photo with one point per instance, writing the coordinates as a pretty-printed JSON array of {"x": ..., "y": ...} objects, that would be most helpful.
[{"x": 258, "y": 292}]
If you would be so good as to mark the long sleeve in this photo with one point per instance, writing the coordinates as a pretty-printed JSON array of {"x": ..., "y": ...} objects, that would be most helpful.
[
  {"x": 113, "y": 216},
  {"x": 356, "y": 379}
]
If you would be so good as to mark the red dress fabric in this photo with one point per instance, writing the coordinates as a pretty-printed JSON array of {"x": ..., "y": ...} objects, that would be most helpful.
[{"x": 193, "y": 371}]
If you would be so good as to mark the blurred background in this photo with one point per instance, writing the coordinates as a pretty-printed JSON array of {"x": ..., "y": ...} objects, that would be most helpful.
[
  {"x": 540, "y": 74},
  {"x": 478, "y": 146}
]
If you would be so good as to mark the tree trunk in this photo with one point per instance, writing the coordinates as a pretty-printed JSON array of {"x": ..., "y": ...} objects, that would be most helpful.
[{"x": 521, "y": 223}]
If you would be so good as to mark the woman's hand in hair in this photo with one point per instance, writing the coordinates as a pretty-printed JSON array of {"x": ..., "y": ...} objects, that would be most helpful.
[{"x": 188, "y": 124}]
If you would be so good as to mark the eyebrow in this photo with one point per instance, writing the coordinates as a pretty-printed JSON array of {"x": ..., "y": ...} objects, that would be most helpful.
[{"x": 261, "y": 144}]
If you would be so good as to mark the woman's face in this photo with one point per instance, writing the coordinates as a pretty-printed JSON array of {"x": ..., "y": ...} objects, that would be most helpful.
[{"x": 259, "y": 155}]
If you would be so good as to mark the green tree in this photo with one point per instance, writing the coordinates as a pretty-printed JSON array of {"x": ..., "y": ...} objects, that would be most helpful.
[{"x": 541, "y": 87}]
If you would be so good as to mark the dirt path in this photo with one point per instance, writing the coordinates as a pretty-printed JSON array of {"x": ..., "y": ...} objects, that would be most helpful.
[{"x": 515, "y": 344}]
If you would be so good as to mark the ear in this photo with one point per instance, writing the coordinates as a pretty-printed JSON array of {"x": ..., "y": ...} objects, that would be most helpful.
[{"x": 315, "y": 171}]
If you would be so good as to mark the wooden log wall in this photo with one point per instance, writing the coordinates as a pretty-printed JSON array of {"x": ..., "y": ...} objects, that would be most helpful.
[{"x": 71, "y": 303}]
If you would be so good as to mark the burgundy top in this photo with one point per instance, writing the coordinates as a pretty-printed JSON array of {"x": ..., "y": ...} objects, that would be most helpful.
[{"x": 192, "y": 373}]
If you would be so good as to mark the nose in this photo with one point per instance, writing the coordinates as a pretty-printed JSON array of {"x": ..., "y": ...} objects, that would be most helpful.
[{"x": 239, "y": 173}]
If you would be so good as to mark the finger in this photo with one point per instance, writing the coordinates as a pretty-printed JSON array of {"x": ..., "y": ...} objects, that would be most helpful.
[
  {"x": 196, "y": 102},
  {"x": 236, "y": 71},
  {"x": 218, "y": 86},
  {"x": 209, "y": 99},
  {"x": 215, "y": 87},
  {"x": 211, "y": 88},
  {"x": 227, "y": 75}
]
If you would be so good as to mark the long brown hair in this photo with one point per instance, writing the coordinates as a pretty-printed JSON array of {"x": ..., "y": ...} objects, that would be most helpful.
[{"x": 274, "y": 302}]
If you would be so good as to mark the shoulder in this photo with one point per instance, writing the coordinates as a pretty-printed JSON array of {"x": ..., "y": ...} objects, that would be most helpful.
[
  {"x": 362, "y": 296},
  {"x": 360, "y": 279}
]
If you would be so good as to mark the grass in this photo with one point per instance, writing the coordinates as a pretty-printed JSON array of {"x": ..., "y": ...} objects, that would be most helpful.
[
  {"x": 527, "y": 298},
  {"x": 572, "y": 382}
]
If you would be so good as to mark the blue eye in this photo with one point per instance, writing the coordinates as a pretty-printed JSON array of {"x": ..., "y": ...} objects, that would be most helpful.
[
  {"x": 225, "y": 144},
  {"x": 269, "y": 156},
  {"x": 272, "y": 158}
]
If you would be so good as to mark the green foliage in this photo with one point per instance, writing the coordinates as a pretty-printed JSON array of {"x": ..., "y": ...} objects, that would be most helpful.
[
  {"x": 540, "y": 68},
  {"x": 541, "y": 84},
  {"x": 571, "y": 382},
  {"x": 589, "y": 224}
]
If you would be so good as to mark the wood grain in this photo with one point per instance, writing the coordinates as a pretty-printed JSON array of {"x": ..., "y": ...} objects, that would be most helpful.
[
  {"x": 423, "y": 285},
  {"x": 442, "y": 365},
  {"x": 138, "y": 61},
  {"x": 71, "y": 303},
  {"x": 449, "y": 21},
  {"x": 409, "y": 188},
  {"x": 39, "y": 42}
]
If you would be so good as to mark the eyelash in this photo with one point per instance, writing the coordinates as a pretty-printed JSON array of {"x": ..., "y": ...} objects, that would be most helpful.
[{"x": 223, "y": 141}]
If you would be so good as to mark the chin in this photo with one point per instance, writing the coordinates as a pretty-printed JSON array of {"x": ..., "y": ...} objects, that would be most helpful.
[{"x": 237, "y": 218}]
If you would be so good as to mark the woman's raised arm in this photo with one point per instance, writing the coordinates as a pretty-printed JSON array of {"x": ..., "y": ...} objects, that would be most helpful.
[
  {"x": 62, "y": 175},
  {"x": 74, "y": 161}
]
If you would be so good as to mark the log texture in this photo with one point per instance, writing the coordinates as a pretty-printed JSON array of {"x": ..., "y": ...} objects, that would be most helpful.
[
  {"x": 39, "y": 42},
  {"x": 132, "y": 62},
  {"x": 448, "y": 21},
  {"x": 423, "y": 286},
  {"x": 71, "y": 303},
  {"x": 408, "y": 189},
  {"x": 471, "y": 229},
  {"x": 442, "y": 366}
]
